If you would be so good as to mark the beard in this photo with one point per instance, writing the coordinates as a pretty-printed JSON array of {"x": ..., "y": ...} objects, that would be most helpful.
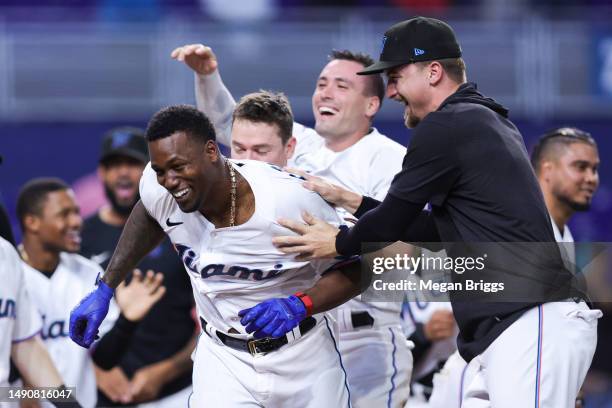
[
  {"x": 120, "y": 208},
  {"x": 410, "y": 120},
  {"x": 573, "y": 204}
]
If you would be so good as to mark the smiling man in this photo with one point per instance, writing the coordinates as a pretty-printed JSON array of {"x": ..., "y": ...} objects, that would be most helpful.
[
  {"x": 156, "y": 364},
  {"x": 220, "y": 216},
  {"x": 346, "y": 149},
  {"x": 566, "y": 162},
  {"x": 469, "y": 162},
  {"x": 262, "y": 124}
]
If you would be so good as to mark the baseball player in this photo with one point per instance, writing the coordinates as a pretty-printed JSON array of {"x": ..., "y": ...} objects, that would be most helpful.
[
  {"x": 20, "y": 326},
  {"x": 220, "y": 216},
  {"x": 155, "y": 363},
  {"x": 262, "y": 125},
  {"x": 57, "y": 278},
  {"x": 472, "y": 200},
  {"x": 345, "y": 149}
]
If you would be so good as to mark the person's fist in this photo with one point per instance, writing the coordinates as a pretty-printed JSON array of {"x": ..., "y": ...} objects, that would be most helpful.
[
  {"x": 198, "y": 57},
  {"x": 441, "y": 325},
  {"x": 87, "y": 316},
  {"x": 274, "y": 317}
]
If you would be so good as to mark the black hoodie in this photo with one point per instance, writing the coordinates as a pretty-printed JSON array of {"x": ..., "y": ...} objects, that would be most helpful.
[{"x": 469, "y": 162}]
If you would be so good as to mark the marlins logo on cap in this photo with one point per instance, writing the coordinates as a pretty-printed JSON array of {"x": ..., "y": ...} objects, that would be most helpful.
[{"x": 415, "y": 40}]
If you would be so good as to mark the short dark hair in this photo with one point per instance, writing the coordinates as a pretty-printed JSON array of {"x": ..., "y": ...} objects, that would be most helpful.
[
  {"x": 454, "y": 68},
  {"x": 376, "y": 85},
  {"x": 268, "y": 107},
  {"x": 33, "y": 195},
  {"x": 549, "y": 142},
  {"x": 180, "y": 118}
]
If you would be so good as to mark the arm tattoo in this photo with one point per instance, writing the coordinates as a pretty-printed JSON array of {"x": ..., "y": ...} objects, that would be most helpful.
[{"x": 140, "y": 235}]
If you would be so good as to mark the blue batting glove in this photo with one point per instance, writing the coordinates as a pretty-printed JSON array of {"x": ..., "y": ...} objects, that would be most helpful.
[
  {"x": 87, "y": 316},
  {"x": 274, "y": 317}
]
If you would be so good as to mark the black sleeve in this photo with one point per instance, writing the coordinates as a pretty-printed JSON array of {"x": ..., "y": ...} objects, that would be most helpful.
[
  {"x": 423, "y": 229},
  {"x": 367, "y": 204},
  {"x": 385, "y": 223},
  {"x": 109, "y": 350},
  {"x": 430, "y": 166},
  {"x": 421, "y": 343}
]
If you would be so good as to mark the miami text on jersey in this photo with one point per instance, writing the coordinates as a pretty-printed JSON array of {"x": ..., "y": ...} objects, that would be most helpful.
[{"x": 190, "y": 258}]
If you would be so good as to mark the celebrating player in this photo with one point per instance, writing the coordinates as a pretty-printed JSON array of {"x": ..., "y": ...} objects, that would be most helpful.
[
  {"x": 155, "y": 365},
  {"x": 57, "y": 277},
  {"x": 449, "y": 165},
  {"x": 220, "y": 216},
  {"x": 346, "y": 149}
]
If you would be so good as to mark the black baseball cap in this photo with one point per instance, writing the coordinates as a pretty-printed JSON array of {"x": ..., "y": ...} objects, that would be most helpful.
[
  {"x": 125, "y": 142},
  {"x": 415, "y": 40}
]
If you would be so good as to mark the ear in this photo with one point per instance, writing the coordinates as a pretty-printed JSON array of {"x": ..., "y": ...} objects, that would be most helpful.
[
  {"x": 290, "y": 147},
  {"x": 546, "y": 170},
  {"x": 373, "y": 105},
  {"x": 435, "y": 72},
  {"x": 31, "y": 223},
  {"x": 211, "y": 150}
]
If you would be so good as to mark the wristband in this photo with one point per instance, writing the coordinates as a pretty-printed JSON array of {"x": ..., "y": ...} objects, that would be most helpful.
[{"x": 306, "y": 300}]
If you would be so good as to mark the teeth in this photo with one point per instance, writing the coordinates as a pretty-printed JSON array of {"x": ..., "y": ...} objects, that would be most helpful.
[
  {"x": 181, "y": 193},
  {"x": 325, "y": 109}
]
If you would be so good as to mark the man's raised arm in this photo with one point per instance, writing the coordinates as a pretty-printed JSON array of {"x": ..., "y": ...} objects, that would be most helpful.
[
  {"x": 140, "y": 235},
  {"x": 212, "y": 97}
]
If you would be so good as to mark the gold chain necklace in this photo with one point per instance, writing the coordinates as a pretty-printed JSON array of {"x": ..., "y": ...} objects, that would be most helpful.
[{"x": 232, "y": 194}]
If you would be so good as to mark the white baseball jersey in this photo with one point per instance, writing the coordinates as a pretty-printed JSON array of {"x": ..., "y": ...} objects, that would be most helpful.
[
  {"x": 367, "y": 167},
  {"x": 234, "y": 268},
  {"x": 54, "y": 297},
  {"x": 18, "y": 318}
]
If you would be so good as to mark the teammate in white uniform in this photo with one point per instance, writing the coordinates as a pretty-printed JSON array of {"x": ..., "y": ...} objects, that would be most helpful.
[
  {"x": 57, "y": 277},
  {"x": 221, "y": 217},
  {"x": 347, "y": 151},
  {"x": 20, "y": 326}
]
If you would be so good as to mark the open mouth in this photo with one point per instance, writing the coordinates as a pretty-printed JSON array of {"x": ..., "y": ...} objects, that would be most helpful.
[
  {"x": 180, "y": 195},
  {"x": 327, "y": 111},
  {"x": 125, "y": 191},
  {"x": 74, "y": 237}
]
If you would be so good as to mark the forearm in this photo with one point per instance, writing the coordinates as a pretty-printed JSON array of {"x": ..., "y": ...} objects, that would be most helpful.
[
  {"x": 34, "y": 363},
  {"x": 111, "y": 347},
  {"x": 180, "y": 362},
  {"x": 350, "y": 201},
  {"x": 337, "y": 287},
  {"x": 215, "y": 100},
  {"x": 140, "y": 235}
]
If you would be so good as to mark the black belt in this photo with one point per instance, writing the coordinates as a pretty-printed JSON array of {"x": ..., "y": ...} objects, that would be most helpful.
[
  {"x": 361, "y": 319},
  {"x": 260, "y": 346}
]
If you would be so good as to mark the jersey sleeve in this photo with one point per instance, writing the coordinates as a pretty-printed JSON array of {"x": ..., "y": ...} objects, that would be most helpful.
[
  {"x": 155, "y": 198},
  {"x": 383, "y": 168},
  {"x": 216, "y": 101},
  {"x": 430, "y": 165},
  {"x": 27, "y": 319}
]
